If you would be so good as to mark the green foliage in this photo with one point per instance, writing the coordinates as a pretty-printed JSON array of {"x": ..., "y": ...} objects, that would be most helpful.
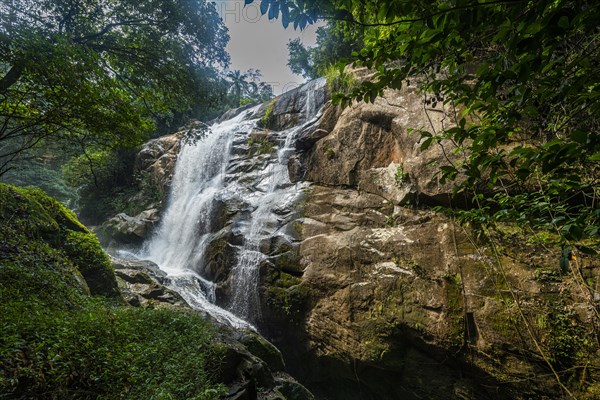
[
  {"x": 151, "y": 191},
  {"x": 96, "y": 73},
  {"x": 59, "y": 343},
  {"x": 267, "y": 121},
  {"x": 565, "y": 339},
  {"x": 104, "y": 179},
  {"x": 401, "y": 177},
  {"x": 300, "y": 60},
  {"x": 260, "y": 145},
  {"x": 335, "y": 43},
  {"x": 36, "y": 173},
  {"x": 95, "y": 351},
  {"x": 246, "y": 88},
  {"x": 339, "y": 80}
]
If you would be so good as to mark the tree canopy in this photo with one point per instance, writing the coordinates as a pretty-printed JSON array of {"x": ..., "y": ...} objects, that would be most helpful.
[
  {"x": 246, "y": 87},
  {"x": 335, "y": 43},
  {"x": 95, "y": 71},
  {"x": 524, "y": 79}
]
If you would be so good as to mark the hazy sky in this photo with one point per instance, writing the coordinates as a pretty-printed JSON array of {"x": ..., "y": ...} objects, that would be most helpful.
[{"x": 259, "y": 43}]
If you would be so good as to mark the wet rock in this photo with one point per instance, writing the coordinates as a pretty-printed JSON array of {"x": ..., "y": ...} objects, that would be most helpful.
[
  {"x": 296, "y": 170},
  {"x": 291, "y": 108},
  {"x": 249, "y": 370},
  {"x": 292, "y": 390},
  {"x": 220, "y": 256},
  {"x": 263, "y": 349},
  {"x": 142, "y": 283},
  {"x": 232, "y": 113},
  {"x": 129, "y": 230}
]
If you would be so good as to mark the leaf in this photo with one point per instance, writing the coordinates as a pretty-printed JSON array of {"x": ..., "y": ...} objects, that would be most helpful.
[
  {"x": 586, "y": 250},
  {"x": 264, "y": 6},
  {"x": 563, "y": 22},
  {"x": 595, "y": 157},
  {"x": 274, "y": 11},
  {"x": 426, "y": 143},
  {"x": 580, "y": 136},
  {"x": 285, "y": 15},
  {"x": 534, "y": 28}
]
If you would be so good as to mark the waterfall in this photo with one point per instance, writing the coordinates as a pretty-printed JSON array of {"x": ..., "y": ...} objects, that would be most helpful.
[{"x": 216, "y": 175}]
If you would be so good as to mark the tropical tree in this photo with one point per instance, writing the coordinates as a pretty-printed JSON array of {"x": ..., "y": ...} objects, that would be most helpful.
[
  {"x": 95, "y": 73},
  {"x": 524, "y": 79},
  {"x": 335, "y": 43},
  {"x": 246, "y": 87},
  {"x": 239, "y": 82}
]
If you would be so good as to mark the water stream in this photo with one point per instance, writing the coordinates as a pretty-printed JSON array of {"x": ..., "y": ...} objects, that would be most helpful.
[{"x": 212, "y": 176}]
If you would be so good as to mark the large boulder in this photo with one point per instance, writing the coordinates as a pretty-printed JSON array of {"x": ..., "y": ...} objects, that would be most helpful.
[
  {"x": 376, "y": 147},
  {"x": 391, "y": 297},
  {"x": 43, "y": 240},
  {"x": 123, "y": 229},
  {"x": 142, "y": 283}
]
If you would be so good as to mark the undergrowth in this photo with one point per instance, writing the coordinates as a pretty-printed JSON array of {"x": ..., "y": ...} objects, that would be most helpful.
[
  {"x": 59, "y": 342},
  {"x": 97, "y": 351}
]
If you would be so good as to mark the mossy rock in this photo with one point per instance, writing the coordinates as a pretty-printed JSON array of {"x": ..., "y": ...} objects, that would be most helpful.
[
  {"x": 44, "y": 241},
  {"x": 287, "y": 295},
  {"x": 263, "y": 349}
]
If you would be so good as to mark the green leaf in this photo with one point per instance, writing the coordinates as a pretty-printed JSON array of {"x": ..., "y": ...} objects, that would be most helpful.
[
  {"x": 563, "y": 22},
  {"x": 426, "y": 143},
  {"x": 595, "y": 157},
  {"x": 586, "y": 250}
]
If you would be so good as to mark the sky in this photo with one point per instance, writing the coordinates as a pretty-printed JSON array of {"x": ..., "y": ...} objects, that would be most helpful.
[{"x": 255, "y": 42}]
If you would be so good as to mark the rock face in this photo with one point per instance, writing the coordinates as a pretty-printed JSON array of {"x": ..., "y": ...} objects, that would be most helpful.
[
  {"x": 380, "y": 298},
  {"x": 376, "y": 148},
  {"x": 157, "y": 159},
  {"x": 154, "y": 168}
]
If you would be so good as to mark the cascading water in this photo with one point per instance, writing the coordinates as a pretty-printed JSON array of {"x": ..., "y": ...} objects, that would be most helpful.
[{"x": 210, "y": 173}]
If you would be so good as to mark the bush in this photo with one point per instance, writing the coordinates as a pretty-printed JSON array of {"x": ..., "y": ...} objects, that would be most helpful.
[{"x": 100, "y": 352}]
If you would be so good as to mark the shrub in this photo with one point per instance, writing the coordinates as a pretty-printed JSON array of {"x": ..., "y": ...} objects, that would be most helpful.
[{"x": 100, "y": 352}]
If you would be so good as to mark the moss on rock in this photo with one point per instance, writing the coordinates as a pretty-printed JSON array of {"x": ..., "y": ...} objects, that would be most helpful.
[
  {"x": 42, "y": 239},
  {"x": 286, "y": 294}
]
